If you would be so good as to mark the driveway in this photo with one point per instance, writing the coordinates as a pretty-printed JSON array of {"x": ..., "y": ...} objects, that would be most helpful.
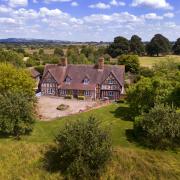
[{"x": 47, "y": 107}]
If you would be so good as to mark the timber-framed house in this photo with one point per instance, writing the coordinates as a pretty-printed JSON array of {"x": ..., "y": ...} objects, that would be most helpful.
[{"x": 91, "y": 81}]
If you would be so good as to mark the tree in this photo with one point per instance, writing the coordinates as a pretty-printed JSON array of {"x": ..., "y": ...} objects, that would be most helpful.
[
  {"x": 59, "y": 52},
  {"x": 16, "y": 80},
  {"x": 131, "y": 63},
  {"x": 118, "y": 47},
  {"x": 16, "y": 114},
  {"x": 158, "y": 45},
  {"x": 160, "y": 128},
  {"x": 176, "y": 47},
  {"x": 143, "y": 95},
  {"x": 41, "y": 51},
  {"x": 83, "y": 148},
  {"x": 11, "y": 57},
  {"x": 17, "y": 100},
  {"x": 136, "y": 45}
]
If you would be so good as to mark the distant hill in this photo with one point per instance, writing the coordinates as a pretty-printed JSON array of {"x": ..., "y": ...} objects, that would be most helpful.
[{"x": 44, "y": 41}]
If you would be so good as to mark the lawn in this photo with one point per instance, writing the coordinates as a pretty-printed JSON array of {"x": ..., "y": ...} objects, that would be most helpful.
[
  {"x": 147, "y": 61},
  {"x": 25, "y": 159}
]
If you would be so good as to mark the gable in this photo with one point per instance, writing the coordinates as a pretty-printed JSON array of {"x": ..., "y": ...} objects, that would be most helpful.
[{"x": 48, "y": 78}]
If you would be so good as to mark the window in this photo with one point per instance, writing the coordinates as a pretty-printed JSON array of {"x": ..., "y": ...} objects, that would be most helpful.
[
  {"x": 110, "y": 93},
  {"x": 50, "y": 91},
  {"x": 110, "y": 81},
  {"x": 68, "y": 79},
  {"x": 86, "y": 81},
  {"x": 87, "y": 93},
  {"x": 63, "y": 92}
]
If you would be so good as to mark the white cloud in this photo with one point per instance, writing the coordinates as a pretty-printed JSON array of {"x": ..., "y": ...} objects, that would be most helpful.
[
  {"x": 100, "y": 5},
  {"x": 117, "y": 3},
  {"x": 57, "y": 24},
  {"x": 15, "y": 3},
  {"x": 75, "y": 4},
  {"x": 169, "y": 15},
  {"x": 4, "y": 9},
  {"x": 152, "y": 16},
  {"x": 156, "y": 4}
]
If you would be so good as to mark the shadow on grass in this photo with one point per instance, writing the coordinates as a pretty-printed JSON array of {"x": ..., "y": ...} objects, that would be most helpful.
[
  {"x": 51, "y": 160},
  {"x": 123, "y": 112}
]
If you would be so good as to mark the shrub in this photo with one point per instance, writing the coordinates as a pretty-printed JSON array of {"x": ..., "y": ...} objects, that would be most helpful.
[
  {"x": 62, "y": 107},
  {"x": 160, "y": 128},
  {"x": 81, "y": 97},
  {"x": 68, "y": 97},
  {"x": 83, "y": 149}
]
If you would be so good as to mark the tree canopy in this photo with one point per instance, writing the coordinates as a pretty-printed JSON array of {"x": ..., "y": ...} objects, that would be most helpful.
[
  {"x": 136, "y": 45},
  {"x": 158, "y": 45},
  {"x": 118, "y": 47},
  {"x": 176, "y": 47}
]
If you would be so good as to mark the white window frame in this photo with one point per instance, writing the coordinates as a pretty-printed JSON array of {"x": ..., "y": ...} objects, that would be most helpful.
[
  {"x": 87, "y": 93},
  {"x": 63, "y": 92},
  {"x": 86, "y": 81}
]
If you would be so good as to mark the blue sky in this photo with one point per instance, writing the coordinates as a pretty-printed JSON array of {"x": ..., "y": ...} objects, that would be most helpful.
[{"x": 92, "y": 20}]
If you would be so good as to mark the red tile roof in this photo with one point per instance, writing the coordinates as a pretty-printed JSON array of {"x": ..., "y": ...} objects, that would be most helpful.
[{"x": 79, "y": 72}]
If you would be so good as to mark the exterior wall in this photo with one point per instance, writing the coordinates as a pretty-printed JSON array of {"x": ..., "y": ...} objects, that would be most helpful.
[
  {"x": 75, "y": 93},
  {"x": 49, "y": 86},
  {"x": 110, "y": 88}
]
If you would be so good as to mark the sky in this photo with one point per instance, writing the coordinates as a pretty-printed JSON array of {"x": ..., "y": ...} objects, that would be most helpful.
[{"x": 89, "y": 20}]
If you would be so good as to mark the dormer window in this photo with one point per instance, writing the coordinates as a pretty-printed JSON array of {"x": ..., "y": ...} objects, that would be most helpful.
[
  {"x": 86, "y": 81},
  {"x": 67, "y": 80}
]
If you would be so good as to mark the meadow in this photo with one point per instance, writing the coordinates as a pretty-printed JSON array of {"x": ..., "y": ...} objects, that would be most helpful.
[
  {"x": 25, "y": 159},
  {"x": 147, "y": 61}
]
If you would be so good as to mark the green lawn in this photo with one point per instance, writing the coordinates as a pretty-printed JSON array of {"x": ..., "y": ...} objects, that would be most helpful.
[
  {"x": 24, "y": 159},
  {"x": 149, "y": 61}
]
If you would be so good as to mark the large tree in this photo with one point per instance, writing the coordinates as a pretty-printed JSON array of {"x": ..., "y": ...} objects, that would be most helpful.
[
  {"x": 136, "y": 45},
  {"x": 118, "y": 47},
  {"x": 17, "y": 100},
  {"x": 158, "y": 45},
  {"x": 176, "y": 47}
]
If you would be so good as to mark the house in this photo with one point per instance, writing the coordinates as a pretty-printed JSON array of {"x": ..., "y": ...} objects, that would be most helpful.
[{"x": 91, "y": 81}]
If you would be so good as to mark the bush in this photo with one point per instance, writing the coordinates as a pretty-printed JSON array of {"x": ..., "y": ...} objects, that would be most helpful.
[
  {"x": 83, "y": 149},
  {"x": 68, "y": 97},
  {"x": 81, "y": 97},
  {"x": 160, "y": 128},
  {"x": 62, "y": 107}
]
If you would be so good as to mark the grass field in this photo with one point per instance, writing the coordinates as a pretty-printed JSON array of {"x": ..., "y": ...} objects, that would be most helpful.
[
  {"x": 25, "y": 159},
  {"x": 150, "y": 61}
]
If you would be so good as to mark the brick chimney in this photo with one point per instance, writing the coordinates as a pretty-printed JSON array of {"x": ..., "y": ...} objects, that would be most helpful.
[
  {"x": 64, "y": 62},
  {"x": 101, "y": 63}
]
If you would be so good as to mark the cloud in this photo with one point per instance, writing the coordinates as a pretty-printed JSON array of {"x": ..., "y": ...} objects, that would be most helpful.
[
  {"x": 15, "y": 3},
  {"x": 55, "y": 24},
  {"x": 49, "y": 1},
  {"x": 74, "y": 4},
  {"x": 152, "y": 16},
  {"x": 169, "y": 15},
  {"x": 156, "y": 4},
  {"x": 100, "y": 5},
  {"x": 4, "y": 9},
  {"x": 117, "y": 3}
]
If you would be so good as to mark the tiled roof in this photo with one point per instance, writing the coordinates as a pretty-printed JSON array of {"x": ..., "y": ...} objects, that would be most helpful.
[{"x": 79, "y": 72}]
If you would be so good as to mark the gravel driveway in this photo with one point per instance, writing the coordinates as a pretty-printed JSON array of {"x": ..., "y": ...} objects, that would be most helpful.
[{"x": 47, "y": 107}]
